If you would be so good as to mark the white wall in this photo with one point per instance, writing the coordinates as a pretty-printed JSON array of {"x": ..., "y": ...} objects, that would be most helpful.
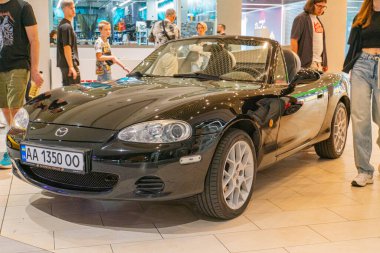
[
  {"x": 335, "y": 24},
  {"x": 41, "y": 11},
  {"x": 230, "y": 13}
]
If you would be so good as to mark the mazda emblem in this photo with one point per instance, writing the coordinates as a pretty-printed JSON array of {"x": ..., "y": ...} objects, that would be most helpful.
[{"x": 62, "y": 131}]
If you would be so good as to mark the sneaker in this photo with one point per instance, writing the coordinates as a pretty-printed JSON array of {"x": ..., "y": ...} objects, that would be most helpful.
[
  {"x": 362, "y": 179},
  {"x": 6, "y": 163}
]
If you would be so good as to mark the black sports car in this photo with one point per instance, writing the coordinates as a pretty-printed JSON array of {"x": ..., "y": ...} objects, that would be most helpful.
[{"x": 198, "y": 117}]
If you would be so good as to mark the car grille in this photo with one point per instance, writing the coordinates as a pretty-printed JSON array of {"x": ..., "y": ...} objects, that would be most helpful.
[{"x": 94, "y": 181}]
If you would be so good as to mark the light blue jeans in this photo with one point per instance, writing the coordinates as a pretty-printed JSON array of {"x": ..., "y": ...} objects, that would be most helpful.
[{"x": 364, "y": 92}]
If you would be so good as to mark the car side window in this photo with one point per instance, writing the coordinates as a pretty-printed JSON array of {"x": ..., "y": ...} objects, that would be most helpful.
[{"x": 280, "y": 74}]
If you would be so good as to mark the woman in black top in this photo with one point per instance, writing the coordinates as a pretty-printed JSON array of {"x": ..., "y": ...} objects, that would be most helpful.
[{"x": 363, "y": 60}]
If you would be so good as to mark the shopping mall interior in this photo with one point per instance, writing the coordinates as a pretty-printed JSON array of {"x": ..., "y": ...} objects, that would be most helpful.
[{"x": 304, "y": 203}]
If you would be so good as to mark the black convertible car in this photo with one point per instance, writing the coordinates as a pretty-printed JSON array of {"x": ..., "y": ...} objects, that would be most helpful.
[{"x": 197, "y": 118}]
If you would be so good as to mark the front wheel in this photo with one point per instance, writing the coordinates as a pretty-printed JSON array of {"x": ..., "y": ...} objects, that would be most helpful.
[
  {"x": 231, "y": 176},
  {"x": 333, "y": 147}
]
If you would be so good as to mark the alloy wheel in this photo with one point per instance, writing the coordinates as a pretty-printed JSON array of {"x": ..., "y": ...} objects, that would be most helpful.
[
  {"x": 340, "y": 129},
  {"x": 238, "y": 175}
]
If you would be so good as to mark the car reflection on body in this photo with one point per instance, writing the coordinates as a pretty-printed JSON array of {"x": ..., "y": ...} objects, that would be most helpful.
[{"x": 168, "y": 132}]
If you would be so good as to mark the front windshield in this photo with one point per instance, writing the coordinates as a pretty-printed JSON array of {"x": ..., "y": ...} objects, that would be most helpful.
[{"x": 226, "y": 59}]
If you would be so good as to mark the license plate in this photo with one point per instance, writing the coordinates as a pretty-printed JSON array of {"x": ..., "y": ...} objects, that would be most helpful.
[{"x": 51, "y": 158}]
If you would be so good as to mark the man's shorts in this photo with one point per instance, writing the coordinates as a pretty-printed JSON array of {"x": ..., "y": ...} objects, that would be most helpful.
[{"x": 13, "y": 87}]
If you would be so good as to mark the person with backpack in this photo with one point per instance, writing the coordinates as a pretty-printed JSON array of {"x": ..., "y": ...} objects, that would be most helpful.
[{"x": 165, "y": 30}]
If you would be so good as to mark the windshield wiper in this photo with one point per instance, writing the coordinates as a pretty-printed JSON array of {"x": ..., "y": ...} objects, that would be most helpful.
[{"x": 198, "y": 76}]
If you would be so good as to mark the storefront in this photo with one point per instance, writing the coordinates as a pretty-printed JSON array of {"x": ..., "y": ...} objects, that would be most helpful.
[
  {"x": 272, "y": 20},
  {"x": 275, "y": 19},
  {"x": 132, "y": 19}
]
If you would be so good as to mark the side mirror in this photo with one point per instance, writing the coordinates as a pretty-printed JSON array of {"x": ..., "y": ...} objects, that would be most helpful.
[
  {"x": 302, "y": 76},
  {"x": 305, "y": 76}
]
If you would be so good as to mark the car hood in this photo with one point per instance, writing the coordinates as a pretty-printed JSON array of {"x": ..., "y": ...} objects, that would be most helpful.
[{"x": 127, "y": 101}]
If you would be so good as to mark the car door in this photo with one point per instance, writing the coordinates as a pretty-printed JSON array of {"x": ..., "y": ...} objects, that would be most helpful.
[{"x": 305, "y": 110}]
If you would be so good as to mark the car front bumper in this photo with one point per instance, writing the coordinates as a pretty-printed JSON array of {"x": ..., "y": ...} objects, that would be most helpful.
[{"x": 164, "y": 179}]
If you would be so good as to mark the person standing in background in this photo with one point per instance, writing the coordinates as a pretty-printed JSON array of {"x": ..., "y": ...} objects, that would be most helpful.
[
  {"x": 201, "y": 29},
  {"x": 308, "y": 37},
  {"x": 363, "y": 60},
  {"x": 67, "y": 50},
  {"x": 104, "y": 57},
  {"x": 221, "y": 29},
  {"x": 165, "y": 30},
  {"x": 121, "y": 25},
  {"x": 19, "y": 54},
  {"x": 53, "y": 37}
]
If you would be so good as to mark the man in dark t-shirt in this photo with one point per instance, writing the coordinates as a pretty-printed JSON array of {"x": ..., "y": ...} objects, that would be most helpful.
[
  {"x": 67, "y": 51},
  {"x": 308, "y": 36},
  {"x": 19, "y": 55}
]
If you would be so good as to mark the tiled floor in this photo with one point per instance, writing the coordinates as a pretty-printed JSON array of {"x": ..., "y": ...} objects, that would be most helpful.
[{"x": 301, "y": 205}]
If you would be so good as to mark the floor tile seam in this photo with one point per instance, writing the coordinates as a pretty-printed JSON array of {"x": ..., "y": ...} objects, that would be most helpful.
[
  {"x": 298, "y": 210},
  {"x": 261, "y": 250},
  {"x": 351, "y": 221},
  {"x": 345, "y": 240},
  {"x": 158, "y": 231},
  {"x": 111, "y": 248},
  {"x": 54, "y": 240},
  {"x": 310, "y": 208},
  {"x": 266, "y": 230},
  {"x": 114, "y": 229},
  {"x": 36, "y": 247},
  {"x": 329, "y": 208},
  {"x": 106, "y": 243},
  {"x": 213, "y": 233},
  {"x": 317, "y": 194},
  {"x": 332, "y": 242},
  {"x": 5, "y": 209},
  {"x": 101, "y": 219},
  {"x": 100, "y": 226},
  {"x": 130, "y": 242},
  {"x": 352, "y": 198},
  {"x": 270, "y": 201},
  {"x": 224, "y": 246},
  {"x": 314, "y": 224},
  {"x": 315, "y": 231}
]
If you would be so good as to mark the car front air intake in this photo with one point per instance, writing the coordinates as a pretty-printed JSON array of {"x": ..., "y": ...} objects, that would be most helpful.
[{"x": 149, "y": 185}]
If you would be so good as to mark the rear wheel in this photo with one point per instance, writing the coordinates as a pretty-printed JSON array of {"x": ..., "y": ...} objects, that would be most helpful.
[
  {"x": 231, "y": 176},
  {"x": 333, "y": 147}
]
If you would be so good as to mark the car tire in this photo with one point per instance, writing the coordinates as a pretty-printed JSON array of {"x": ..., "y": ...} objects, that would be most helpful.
[
  {"x": 223, "y": 177},
  {"x": 333, "y": 147}
]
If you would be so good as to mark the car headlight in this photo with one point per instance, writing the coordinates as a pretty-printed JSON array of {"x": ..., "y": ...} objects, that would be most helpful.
[
  {"x": 159, "y": 131},
  {"x": 21, "y": 119}
]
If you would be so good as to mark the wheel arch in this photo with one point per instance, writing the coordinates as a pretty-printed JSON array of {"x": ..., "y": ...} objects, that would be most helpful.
[{"x": 248, "y": 126}]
